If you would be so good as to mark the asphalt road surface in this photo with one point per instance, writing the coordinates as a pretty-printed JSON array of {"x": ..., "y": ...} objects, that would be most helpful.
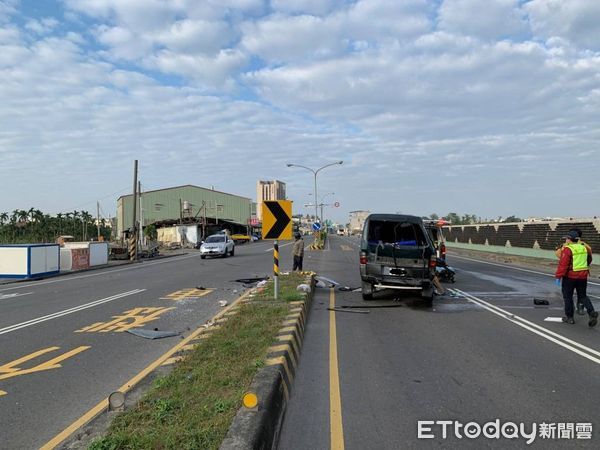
[
  {"x": 483, "y": 353},
  {"x": 64, "y": 344}
]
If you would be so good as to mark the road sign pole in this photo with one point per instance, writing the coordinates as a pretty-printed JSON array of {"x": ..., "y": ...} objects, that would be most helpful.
[{"x": 276, "y": 268}]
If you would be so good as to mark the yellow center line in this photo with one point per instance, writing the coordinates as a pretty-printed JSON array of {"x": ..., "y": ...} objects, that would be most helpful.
[{"x": 335, "y": 401}]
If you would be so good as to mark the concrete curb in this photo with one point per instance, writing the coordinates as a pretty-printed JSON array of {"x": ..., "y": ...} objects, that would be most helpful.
[{"x": 259, "y": 429}]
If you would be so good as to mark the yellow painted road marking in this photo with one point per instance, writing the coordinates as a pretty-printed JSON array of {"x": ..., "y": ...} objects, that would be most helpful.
[
  {"x": 335, "y": 401},
  {"x": 284, "y": 348},
  {"x": 183, "y": 294},
  {"x": 11, "y": 369},
  {"x": 289, "y": 338},
  {"x": 134, "y": 318},
  {"x": 280, "y": 360},
  {"x": 103, "y": 405}
]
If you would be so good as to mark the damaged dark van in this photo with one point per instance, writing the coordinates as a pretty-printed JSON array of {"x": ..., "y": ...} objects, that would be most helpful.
[{"x": 396, "y": 252}]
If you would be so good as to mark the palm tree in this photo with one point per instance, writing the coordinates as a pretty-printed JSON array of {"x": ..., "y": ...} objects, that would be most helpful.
[{"x": 59, "y": 216}]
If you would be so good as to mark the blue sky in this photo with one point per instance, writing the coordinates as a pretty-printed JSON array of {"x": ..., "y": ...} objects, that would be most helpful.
[{"x": 482, "y": 107}]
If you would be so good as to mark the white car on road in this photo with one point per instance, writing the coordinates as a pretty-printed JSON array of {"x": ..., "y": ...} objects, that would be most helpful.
[{"x": 217, "y": 245}]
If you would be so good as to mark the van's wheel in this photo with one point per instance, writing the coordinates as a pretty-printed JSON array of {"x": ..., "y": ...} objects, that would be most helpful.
[
  {"x": 232, "y": 251},
  {"x": 202, "y": 256},
  {"x": 367, "y": 290}
]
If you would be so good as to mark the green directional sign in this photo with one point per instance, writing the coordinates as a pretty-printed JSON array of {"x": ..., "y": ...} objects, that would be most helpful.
[{"x": 277, "y": 220}]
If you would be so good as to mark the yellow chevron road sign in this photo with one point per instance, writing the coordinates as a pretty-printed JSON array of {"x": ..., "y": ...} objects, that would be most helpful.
[{"x": 277, "y": 220}]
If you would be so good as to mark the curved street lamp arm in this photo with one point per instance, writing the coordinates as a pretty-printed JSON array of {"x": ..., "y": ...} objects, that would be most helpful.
[
  {"x": 304, "y": 167},
  {"x": 328, "y": 165}
]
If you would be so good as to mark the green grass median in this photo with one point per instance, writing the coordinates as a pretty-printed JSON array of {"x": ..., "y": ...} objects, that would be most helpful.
[{"x": 192, "y": 407}]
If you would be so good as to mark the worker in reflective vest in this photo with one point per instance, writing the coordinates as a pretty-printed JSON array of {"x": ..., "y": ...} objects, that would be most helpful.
[
  {"x": 573, "y": 270},
  {"x": 558, "y": 252}
]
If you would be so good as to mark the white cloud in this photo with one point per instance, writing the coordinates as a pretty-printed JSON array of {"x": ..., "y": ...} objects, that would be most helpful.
[
  {"x": 196, "y": 36},
  {"x": 42, "y": 26},
  {"x": 310, "y": 7},
  {"x": 491, "y": 19},
  {"x": 214, "y": 71},
  {"x": 8, "y": 8},
  {"x": 574, "y": 20}
]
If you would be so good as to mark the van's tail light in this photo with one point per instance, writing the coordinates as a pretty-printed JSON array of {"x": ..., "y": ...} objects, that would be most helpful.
[
  {"x": 443, "y": 251},
  {"x": 363, "y": 258},
  {"x": 432, "y": 262}
]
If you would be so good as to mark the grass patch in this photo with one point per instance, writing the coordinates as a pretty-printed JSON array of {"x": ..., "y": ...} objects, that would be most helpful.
[{"x": 193, "y": 406}]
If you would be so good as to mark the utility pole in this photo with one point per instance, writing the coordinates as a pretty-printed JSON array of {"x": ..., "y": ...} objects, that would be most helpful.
[
  {"x": 133, "y": 239},
  {"x": 141, "y": 237},
  {"x": 98, "y": 219},
  {"x": 203, "y": 219}
]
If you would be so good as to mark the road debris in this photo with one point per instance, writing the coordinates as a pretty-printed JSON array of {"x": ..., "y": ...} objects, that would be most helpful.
[
  {"x": 348, "y": 289},
  {"x": 323, "y": 282},
  {"x": 250, "y": 280},
  {"x": 356, "y": 311},
  {"x": 222, "y": 302},
  {"x": 540, "y": 301},
  {"x": 152, "y": 334},
  {"x": 303, "y": 288}
]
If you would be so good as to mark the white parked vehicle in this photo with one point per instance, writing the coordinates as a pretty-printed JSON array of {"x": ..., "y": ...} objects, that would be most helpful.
[{"x": 217, "y": 245}]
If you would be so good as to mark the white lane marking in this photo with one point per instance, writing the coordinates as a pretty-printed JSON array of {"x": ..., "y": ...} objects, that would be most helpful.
[
  {"x": 553, "y": 319},
  {"x": 514, "y": 268},
  {"x": 530, "y": 307},
  {"x": 5, "y": 296},
  {"x": 65, "y": 312},
  {"x": 100, "y": 272},
  {"x": 594, "y": 296},
  {"x": 559, "y": 339},
  {"x": 284, "y": 245}
]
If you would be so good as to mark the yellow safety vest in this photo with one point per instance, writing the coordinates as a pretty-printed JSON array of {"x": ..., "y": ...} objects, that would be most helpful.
[{"x": 580, "y": 255}]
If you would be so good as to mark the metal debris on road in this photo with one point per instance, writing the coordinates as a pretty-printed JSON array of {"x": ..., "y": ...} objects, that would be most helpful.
[
  {"x": 348, "y": 289},
  {"x": 152, "y": 334},
  {"x": 250, "y": 280},
  {"x": 356, "y": 311},
  {"x": 323, "y": 282}
]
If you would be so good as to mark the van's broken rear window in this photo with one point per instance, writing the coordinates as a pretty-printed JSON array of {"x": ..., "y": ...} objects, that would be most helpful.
[{"x": 403, "y": 234}]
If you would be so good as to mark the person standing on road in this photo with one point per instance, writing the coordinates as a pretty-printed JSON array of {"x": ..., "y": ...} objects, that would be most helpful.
[
  {"x": 573, "y": 270},
  {"x": 558, "y": 253},
  {"x": 298, "y": 251}
]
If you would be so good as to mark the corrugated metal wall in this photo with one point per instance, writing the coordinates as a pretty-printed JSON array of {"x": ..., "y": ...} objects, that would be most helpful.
[{"x": 164, "y": 204}]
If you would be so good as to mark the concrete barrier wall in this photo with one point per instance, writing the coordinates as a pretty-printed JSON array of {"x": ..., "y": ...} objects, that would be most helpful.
[{"x": 523, "y": 239}]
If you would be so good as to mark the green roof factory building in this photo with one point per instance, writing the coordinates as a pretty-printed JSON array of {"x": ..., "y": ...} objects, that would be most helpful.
[{"x": 186, "y": 204}]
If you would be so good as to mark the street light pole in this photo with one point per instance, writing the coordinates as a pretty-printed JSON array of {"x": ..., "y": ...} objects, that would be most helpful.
[{"x": 315, "y": 173}]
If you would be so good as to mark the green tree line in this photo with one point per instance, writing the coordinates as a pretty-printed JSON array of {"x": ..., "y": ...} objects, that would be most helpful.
[
  {"x": 33, "y": 226},
  {"x": 470, "y": 219}
]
